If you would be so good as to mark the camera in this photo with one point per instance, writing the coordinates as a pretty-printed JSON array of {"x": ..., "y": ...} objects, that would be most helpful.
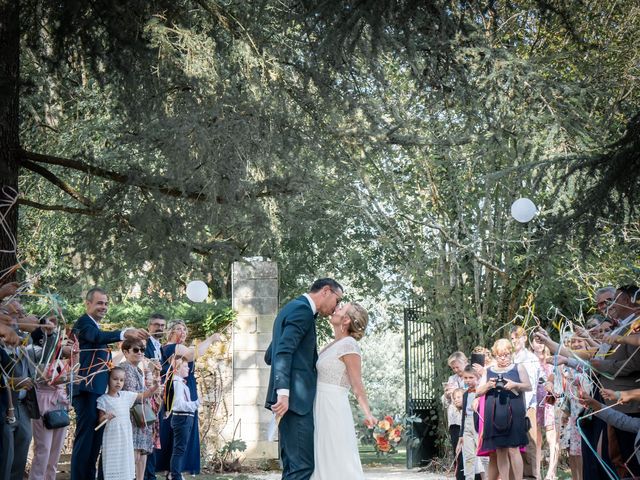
[{"x": 500, "y": 382}]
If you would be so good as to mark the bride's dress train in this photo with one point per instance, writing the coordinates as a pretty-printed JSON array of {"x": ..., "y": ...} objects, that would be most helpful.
[{"x": 336, "y": 446}]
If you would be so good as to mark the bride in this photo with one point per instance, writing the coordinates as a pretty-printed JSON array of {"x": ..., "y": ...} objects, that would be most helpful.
[{"x": 339, "y": 367}]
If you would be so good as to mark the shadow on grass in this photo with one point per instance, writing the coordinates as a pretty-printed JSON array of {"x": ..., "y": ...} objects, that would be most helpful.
[
  {"x": 224, "y": 477},
  {"x": 367, "y": 456}
]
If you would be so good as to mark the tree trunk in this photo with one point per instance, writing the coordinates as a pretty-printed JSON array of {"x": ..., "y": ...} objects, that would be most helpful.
[{"x": 9, "y": 137}]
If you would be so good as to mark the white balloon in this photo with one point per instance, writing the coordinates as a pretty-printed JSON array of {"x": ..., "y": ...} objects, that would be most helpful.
[
  {"x": 523, "y": 210},
  {"x": 197, "y": 291}
]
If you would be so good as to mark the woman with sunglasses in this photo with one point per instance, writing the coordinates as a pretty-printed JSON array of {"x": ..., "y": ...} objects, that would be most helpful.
[{"x": 133, "y": 351}]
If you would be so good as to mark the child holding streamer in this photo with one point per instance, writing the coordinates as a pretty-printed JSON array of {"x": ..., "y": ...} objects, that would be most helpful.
[
  {"x": 182, "y": 410},
  {"x": 114, "y": 407}
]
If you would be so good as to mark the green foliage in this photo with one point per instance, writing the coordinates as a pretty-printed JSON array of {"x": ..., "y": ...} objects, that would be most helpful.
[
  {"x": 383, "y": 372},
  {"x": 226, "y": 458},
  {"x": 201, "y": 318},
  {"x": 378, "y": 142},
  {"x": 234, "y": 446}
]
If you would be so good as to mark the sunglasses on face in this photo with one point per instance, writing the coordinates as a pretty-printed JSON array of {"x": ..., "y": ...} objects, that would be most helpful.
[{"x": 137, "y": 350}]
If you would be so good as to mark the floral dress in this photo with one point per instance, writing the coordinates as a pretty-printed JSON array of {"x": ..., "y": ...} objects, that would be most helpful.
[
  {"x": 569, "y": 435},
  {"x": 134, "y": 382},
  {"x": 545, "y": 411}
]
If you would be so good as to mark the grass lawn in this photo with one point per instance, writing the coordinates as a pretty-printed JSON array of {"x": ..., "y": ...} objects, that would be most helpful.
[
  {"x": 367, "y": 455},
  {"x": 223, "y": 477},
  {"x": 369, "y": 458}
]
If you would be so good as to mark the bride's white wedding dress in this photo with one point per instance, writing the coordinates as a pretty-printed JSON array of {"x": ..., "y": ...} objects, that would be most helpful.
[{"x": 336, "y": 446}]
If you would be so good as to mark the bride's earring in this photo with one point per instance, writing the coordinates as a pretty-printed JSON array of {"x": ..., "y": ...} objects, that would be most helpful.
[{"x": 342, "y": 328}]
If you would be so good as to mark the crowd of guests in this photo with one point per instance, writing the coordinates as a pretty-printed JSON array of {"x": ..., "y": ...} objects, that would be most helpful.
[
  {"x": 578, "y": 395},
  {"x": 135, "y": 415}
]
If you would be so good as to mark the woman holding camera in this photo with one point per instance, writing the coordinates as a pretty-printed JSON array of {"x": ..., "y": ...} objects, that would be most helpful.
[{"x": 505, "y": 423}]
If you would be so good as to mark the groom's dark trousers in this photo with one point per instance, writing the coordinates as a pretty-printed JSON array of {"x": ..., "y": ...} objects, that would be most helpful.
[
  {"x": 292, "y": 356},
  {"x": 296, "y": 446}
]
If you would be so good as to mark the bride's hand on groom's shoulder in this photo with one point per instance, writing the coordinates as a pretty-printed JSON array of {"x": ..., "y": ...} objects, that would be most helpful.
[{"x": 370, "y": 421}]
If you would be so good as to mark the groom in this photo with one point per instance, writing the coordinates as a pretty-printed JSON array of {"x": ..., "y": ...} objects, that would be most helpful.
[{"x": 292, "y": 355}]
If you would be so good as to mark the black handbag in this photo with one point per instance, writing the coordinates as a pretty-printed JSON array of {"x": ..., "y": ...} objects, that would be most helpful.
[
  {"x": 56, "y": 419},
  {"x": 31, "y": 404}
]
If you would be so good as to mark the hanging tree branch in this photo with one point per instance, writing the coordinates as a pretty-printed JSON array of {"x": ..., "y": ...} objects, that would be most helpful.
[
  {"x": 155, "y": 183},
  {"x": 57, "y": 208},
  {"x": 58, "y": 182},
  {"x": 268, "y": 188}
]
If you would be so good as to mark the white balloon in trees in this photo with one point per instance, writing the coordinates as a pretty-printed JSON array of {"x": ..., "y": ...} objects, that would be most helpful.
[
  {"x": 197, "y": 291},
  {"x": 523, "y": 210}
]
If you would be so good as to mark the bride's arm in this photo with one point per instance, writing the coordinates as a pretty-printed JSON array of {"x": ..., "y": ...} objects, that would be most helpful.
[{"x": 354, "y": 370}]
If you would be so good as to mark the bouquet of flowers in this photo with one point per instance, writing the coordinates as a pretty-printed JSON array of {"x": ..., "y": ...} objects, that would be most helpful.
[{"x": 387, "y": 435}]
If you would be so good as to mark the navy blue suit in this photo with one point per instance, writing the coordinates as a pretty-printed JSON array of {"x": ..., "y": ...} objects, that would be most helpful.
[
  {"x": 150, "y": 468},
  {"x": 292, "y": 355},
  {"x": 94, "y": 355}
]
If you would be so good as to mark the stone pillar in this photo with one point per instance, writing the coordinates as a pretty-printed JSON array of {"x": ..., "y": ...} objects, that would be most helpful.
[{"x": 255, "y": 300}]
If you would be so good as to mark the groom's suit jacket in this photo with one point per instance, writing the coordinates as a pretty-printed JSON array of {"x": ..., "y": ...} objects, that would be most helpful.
[
  {"x": 94, "y": 354},
  {"x": 292, "y": 355}
]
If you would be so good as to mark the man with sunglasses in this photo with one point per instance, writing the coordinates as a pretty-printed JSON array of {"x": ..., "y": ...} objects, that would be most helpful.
[
  {"x": 93, "y": 373},
  {"x": 292, "y": 355}
]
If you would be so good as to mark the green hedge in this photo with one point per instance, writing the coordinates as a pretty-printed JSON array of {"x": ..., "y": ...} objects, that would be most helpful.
[{"x": 201, "y": 318}]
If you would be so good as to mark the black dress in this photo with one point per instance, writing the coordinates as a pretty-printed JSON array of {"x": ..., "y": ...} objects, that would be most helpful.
[{"x": 504, "y": 415}]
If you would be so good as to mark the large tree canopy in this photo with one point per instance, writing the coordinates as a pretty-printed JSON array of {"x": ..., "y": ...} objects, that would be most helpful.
[{"x": 379, "y": 141}]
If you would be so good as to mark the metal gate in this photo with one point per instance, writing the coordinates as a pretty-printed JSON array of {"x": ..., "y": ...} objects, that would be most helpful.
[{"x": 421, "y": 393}]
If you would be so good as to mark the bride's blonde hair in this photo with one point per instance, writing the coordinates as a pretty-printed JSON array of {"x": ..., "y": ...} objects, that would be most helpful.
[{"x": 359, "y": 320}]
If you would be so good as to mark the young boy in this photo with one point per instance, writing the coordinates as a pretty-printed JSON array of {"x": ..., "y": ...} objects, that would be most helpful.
[
  {"x": 468, "y": 442},
  {"x": 183, "y": 411},
  {"x": 454, "y": 412}
]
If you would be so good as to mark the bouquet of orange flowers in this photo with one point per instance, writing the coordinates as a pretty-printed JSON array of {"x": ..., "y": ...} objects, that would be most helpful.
[{"x": 387, "y": 435}]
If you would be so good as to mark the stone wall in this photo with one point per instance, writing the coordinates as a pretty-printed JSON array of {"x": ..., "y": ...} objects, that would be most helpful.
[{"x": 255, "y": 300}]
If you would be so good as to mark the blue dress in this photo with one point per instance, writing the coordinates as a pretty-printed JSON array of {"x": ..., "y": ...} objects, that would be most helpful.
[
  {"x": 192, "y": 454},
  {"x": 504, "y": 415}
]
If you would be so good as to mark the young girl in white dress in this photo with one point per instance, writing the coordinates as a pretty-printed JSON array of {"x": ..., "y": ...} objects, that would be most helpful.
[
  {"x": 339, "y": 367},
  {"x": 118, "y": 461}
]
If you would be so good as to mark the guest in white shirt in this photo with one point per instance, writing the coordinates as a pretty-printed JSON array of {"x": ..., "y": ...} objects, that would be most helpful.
[
  {"x": 528, "y": 359},
  {"x": 457, "y": 361},
  {"x": 183, "y": 411}
]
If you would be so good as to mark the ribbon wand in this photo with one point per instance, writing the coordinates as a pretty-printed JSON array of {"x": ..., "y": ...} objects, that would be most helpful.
[
  {"x": 101, "y": 424},
  {"x": 110, "y": 416}
]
